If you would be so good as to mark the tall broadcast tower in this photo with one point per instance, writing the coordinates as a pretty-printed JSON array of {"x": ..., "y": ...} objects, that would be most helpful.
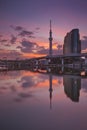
[{"x": 50, "y": 40}]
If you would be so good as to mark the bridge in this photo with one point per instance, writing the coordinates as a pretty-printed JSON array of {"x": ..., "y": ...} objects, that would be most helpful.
[
  {"x": 63, "y": 56},
  {"x": 58, "y": 60},
  {"x": 70, "y": 60}
]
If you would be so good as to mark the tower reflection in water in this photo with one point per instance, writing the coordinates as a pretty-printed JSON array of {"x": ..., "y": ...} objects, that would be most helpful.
[
  {"x": 72, "y": 86},
  {"x": 50, "y": 89}
]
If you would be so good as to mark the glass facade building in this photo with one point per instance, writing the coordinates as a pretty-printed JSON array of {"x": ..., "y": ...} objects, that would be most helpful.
[{"x": 72, "y": 43}]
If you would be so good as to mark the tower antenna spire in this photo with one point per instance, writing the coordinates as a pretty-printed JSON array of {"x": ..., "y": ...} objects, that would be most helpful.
[
  {"x": 50, "y": 40},
  {"x": 50, "y": 25}
]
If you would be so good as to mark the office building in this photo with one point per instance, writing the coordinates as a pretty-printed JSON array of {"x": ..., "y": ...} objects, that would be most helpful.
[{"x": 72, "y": 43}]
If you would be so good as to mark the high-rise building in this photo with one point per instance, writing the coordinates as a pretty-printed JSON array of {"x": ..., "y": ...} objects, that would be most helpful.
[{"x": 72, "y": 43}]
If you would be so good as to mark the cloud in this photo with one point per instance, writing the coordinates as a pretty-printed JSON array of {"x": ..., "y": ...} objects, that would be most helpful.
[
  {"x": 17, "y": 28},
  {"x": 1, "y": 36},
  {"x": 84, "y": 43},
  {"x": 22, "y": 96},
  {"x": 25, "y": 33},
  {"x": 13, "y": 39},
  {"x": 27, "y": 82},
  {"x": 31, "y": 47},
  {"x": 6, "y": 42},
  {"x": 13, "y": 88},
  {"x": 25, "y": 95},
  {"x": 7, "y": 45},
  {"x": 37, "y": 28},
  {"x": 42, "y": 50},
  {"x": 27, "y": 46},
  {"x": 3, "y": 88},
  {"x": 59, "y": 46},
  {"x": 10, "y": 54},
  {"x": 85, "y": 37},
  {"x": 3, "y": 40}
]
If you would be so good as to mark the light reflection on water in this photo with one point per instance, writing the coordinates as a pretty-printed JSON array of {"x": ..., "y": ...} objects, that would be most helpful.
[{"x": 35, "y": 101}]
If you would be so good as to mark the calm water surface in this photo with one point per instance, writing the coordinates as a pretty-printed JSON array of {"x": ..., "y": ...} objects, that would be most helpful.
[{"x": 34, "y": 101}]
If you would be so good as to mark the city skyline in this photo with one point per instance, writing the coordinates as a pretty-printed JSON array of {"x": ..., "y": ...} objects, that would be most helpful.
[{"x": 24, "y": 26}]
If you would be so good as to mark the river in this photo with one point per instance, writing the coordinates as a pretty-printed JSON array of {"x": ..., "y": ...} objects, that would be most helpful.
[{"x": 36, "y": 101}]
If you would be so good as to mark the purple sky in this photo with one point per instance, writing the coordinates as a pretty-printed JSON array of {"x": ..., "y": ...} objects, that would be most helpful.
[{"x": 27, "y": 21}]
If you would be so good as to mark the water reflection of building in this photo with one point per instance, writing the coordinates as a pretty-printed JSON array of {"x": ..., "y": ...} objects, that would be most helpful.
[{"x": 72, "y": 87}]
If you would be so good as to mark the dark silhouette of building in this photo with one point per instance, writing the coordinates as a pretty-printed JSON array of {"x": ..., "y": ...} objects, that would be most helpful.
[
  {"x": 72, "y": 43},
  {"x": 72, "y": 87},
  {"x": 50, "y": 40}
]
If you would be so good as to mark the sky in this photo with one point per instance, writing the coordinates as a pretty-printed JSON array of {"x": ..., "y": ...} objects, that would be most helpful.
[{"x": 24, "y": 26}]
